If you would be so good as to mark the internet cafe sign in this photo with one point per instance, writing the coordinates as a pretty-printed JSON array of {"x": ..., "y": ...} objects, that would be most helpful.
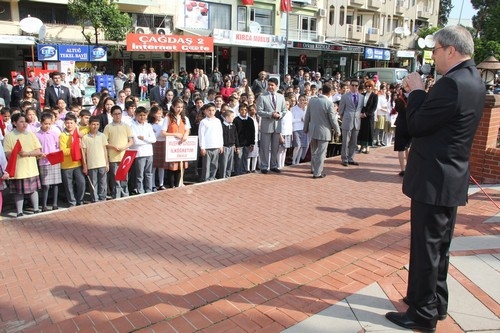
[{"x": 169, "y": 43}]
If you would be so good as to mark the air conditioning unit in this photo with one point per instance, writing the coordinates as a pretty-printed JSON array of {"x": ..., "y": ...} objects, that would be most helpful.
[
  {"x": 302, "y": 2},
  {"x": 321, "y": 38},
  {"x": 162, "y": 31},
  {"x": 321, "y": 12},
  {"x": 142, "y": 30}
]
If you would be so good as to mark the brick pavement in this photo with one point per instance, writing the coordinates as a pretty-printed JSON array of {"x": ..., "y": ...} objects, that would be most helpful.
[{"x": 252, "y": 253}]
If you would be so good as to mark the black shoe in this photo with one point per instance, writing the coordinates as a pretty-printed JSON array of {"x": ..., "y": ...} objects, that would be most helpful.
[
  {"x": 320, "y": 176},
  {"x": 45, "y": 209},
  {"x": 353, "y": 163},
  {"x": 264, "y": 171},
  {"x": 402, "y": 319},
  {"x": 276, "y": 170},
  {"x": 161, "y": 188},
  {"x": 36, "y": 211},
  {"x": 20, "y": 215},
  {"x": 402, "y": 173},
  {"x": 55, "y": 208},
  {"x": 441, "y": 312},
  {"x": 345, "y": 164}
]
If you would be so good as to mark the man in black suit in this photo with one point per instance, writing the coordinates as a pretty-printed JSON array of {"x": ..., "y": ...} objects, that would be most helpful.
[
  {"x": 57, "y": 91},
  {"x": 17, "y": 92},
  {"x": 442, "y": 123}
]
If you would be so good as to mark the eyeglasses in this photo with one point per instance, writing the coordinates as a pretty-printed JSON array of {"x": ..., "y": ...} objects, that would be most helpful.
[{"x": 437, "y": 48}]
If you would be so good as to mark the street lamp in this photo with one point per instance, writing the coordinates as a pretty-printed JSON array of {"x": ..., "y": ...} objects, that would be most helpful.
[{"x": 489, "y": 68}]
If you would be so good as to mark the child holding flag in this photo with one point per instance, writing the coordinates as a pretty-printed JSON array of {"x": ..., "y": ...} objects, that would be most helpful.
[{"x": 22, "y": 148}]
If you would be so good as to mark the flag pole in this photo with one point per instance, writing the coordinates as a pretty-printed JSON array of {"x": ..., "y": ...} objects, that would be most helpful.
[{"x": 285, "y": 56}]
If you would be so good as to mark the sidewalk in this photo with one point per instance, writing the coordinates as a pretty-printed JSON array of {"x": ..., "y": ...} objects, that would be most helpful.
[{"x": 256, "y": 253}]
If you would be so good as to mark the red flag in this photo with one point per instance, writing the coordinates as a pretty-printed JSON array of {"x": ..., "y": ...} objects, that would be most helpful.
[
  {"x": 76, "y": 152},
  {"x": 125, "y": 164},
  {"x": 11, "y": 164},
  {"x": 247, "y": 2},
  {"x": 2, "y": 125},
  {"x": 55, "y": 157},
  {"x": 286, "y": 6}
]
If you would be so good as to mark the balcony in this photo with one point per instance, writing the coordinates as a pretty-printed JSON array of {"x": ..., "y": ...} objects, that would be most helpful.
[
  {"x": 397, "y": 40},
  {"x": 400, "y": 7},
  {"x": 357, "y": 3},
  {"x": 301, "y": 35},
  {"x": 374, "y": 4},
  {"x": 424, "y": 13},
  {"x": 354, "y": 32},
  {"x": 371, "y": 35},
  {"x": 142, "y": 3}
]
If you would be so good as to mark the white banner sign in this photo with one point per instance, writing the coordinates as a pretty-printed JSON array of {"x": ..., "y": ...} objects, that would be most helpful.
[
  {"x": 177, "y": 151},
  {"x": 248, "y": 39}
]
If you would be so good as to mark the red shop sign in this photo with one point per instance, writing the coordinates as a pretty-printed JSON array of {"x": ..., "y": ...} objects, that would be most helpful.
[{"x": 169, "y": 43}]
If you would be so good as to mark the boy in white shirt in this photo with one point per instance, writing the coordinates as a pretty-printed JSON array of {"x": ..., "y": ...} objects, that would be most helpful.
[
  {"x": 144, "y": 137},
  {"x": 211, "y": 142}
]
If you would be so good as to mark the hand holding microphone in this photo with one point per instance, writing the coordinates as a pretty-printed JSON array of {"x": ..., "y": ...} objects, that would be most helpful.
[{"x": 414, "y": 80}]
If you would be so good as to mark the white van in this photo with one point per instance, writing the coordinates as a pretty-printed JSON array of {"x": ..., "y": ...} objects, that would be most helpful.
[{"x": 385, "y": 74}]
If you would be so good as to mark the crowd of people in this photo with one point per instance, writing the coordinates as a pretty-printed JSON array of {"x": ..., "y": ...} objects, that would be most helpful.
[{"x": 241, "y": 128}]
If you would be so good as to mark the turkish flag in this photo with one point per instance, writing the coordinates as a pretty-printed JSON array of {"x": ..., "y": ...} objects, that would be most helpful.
[
  {"x": 125, "y": 164},
  {"x": 247, "y": 2},
  {"x": 55, "y": 157},
  {"x": 11, "y": 164},
  {"x": 2, "y": 125},
  {"x": 76, "y": 152},
  {"x": 286, "y": 6}
]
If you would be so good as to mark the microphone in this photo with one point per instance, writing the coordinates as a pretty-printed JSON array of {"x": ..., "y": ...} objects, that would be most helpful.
[{"x": 425, "y": 69}]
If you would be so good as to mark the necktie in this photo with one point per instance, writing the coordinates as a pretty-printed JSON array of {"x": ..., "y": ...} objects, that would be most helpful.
[
  {"x": 57, "y": 91},
  {"x": 162, "y": 94},
  {"x": 355, "y": 100},
  {"x": 274, "y": 101}
]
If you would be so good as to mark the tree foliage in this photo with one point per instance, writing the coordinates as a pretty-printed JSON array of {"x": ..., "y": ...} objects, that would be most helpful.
[
  {"x": 484, "y": 48},
  {"x": 100, "y": 16},
  {"x": 445, "y": 7},
  {"x": 487, "y": 19},
  {"x": 423, "y": 32}
]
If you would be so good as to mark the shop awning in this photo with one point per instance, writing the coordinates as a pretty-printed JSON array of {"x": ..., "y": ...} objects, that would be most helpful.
[
  {"x": 19, "y": 40},
  {"x": 197, "y": 32}
]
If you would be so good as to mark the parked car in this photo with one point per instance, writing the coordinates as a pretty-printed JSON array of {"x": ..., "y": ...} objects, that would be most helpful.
[{"x": 388, "y": 75}]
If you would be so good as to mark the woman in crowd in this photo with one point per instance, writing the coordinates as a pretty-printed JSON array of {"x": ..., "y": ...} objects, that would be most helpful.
[
  {"x": 100, "y": 104},
  {"x": 370, "y": 102},
  {"x": 151, "y": 79},
  {"x": 244, "y": 88},
  {"x": 25, "y": 180},
  {"x": 169, "y": 97},
  {"x": 226, "y": 90},
  {"x": 77, "y": 90},
  {"x": 402, "y": 139},
  {"x": 105, "y": 117},
  {"x": 29, "y": 96},
  {"x": 381, "y": 116},
  {"x": 176, "y": 124}
]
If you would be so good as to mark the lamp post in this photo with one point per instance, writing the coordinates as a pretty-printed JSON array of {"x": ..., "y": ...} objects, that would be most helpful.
[{"x": 489, "y": 68}]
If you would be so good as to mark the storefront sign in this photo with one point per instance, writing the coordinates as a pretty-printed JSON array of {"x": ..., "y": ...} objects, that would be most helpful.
[
  {"x": 377, "y": 54},
  {"x": 73, "y": 52},
  {"x": 328, "y": 47},
  {"x": 177, "y": 151},
  {"x": 47, "y": 52},
  {"x": 98, "y": 53},
  {"x": 248, "y": 39},
  {"x": 170, "y": 43},
  {"x": 405, "y": 54},
  {"x": 17, "y": 40}
]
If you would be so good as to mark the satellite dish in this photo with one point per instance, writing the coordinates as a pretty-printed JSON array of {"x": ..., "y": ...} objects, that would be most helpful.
[
  {"x": 42, "y": 32},
  {"x": 30, "y": 25},
  {"x": 406, "y": 32},
  {"x": 399, "y": 30},
  {"x": 255, "y": 27},
  {"x": 429, "y": 41},
  {"x": 421, "y": 43}
]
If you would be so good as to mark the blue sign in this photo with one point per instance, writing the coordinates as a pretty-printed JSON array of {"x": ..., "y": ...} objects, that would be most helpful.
[
  {"x": 47, "y": 52},
  {"x": 377, "y": 54},
  {"x": 98, "y": 53},
  {"x": 73, "y": 52}
]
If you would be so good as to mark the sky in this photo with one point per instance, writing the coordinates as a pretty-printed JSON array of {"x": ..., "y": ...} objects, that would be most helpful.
[{"x": 467, "y": 11}]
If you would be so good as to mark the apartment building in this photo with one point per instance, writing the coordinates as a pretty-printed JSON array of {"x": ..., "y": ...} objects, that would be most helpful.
[{"x": 332, "y": 35}]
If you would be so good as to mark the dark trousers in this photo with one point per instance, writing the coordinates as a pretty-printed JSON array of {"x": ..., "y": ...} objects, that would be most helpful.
[{"x": 431, "y": 234}]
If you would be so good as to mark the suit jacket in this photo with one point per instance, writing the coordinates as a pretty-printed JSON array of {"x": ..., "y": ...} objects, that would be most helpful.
[
  {"x": 265, "y": 110},
  {"x": 51, "y": 96},
  {"x": 154, "y": 95},
  {"x": 371, "y": 105},
  {"x": 16, "y": 95},
  {"x": 320, "y": 119},
  {"x": 443, "y": 123},
  {"x": 259, "y": 87},
  {"x": 349, "y": 113}
]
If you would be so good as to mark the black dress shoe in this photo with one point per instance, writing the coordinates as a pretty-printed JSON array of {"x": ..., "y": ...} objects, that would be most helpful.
[
  {"x": 345, "y": 164},
  {"x": 320, "y": 176},
  {"x": 264, "y": 171},
  {"x": 276, "y": 170},
  {"x": 441, "y": 312},
  {"x": 402, "y": 319},
  {"x": 353, "y": 163}
]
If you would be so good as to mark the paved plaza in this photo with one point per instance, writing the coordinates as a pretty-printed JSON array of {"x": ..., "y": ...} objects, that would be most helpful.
[{"x": 255, "y": 253}]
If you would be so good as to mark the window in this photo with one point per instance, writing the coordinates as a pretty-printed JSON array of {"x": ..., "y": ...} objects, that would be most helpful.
[
  {"x": 47, "y": 12},
  {"x": 220, "y": 16},
  {"x": 242, "y": 18},
  {"x": 152, "y": 21},
  {"x": 5, "y": 14},
  {"x": 331, "y": 16},
  {"x": 264, "y": 17}
]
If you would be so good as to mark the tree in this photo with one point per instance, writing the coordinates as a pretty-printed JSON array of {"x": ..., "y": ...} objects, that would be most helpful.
[
  {"x": 485, "y": 48},
  {"x": 445, "y": 7},
  {"x": 100, "y": 16},
  {"x": 487, "y": 19}
]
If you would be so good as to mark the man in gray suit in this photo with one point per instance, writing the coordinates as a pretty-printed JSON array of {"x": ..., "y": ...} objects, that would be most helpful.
[
  {"x": 350, "y": 107},
  {"x": 319, "y": 121},
  {"x": 271, "y": 108}
]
